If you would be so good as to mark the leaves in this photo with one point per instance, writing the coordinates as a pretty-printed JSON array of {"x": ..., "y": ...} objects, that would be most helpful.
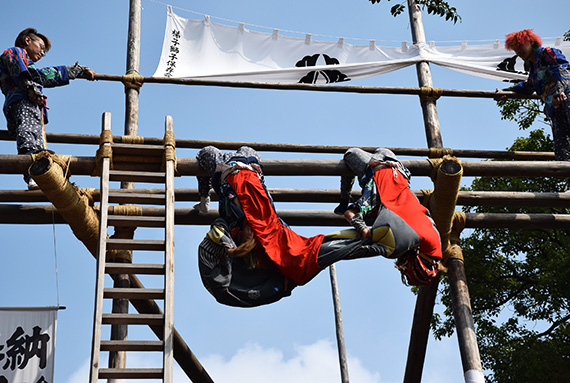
[
  {"x": 433, "y": 7},
  {"x": 519, "y": 280}
]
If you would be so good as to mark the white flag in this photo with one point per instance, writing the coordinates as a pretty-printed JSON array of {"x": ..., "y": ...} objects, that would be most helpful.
[
  {"x": 27, "y": 344},
  {"x": 203, "y": 49}
]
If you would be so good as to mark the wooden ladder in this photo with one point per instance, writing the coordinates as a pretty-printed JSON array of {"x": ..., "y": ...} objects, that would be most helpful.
[{"x": 141, "y": 163}]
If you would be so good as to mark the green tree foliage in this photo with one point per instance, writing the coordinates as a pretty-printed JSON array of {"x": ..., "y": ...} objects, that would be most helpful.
[
  {"x": 519, "y": 280},
  {"x": 433, "y": 7}
]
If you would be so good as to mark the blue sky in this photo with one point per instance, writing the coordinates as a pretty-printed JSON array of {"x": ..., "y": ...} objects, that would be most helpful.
[{"x": 292, "y": 340}]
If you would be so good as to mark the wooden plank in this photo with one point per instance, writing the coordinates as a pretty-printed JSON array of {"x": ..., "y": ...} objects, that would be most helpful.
[
  {"x": 137, "y": 198},
  {"x": 130, "y": 373},
  {"x": 136, "y": 221},
  {"x": 135, "y": 244},
  {"x": 134, "y": 268},
  {"x": 132, "y": 345},
  {"x": 133, "y": 293},
  {"x": 137, "y": 150},
  {"x": 136, "y": 176},
  {"x": 134, "y": 319}
]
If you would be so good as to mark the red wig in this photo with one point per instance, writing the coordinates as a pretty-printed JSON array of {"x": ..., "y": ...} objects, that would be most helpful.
[{"x": 527, "y": 36}]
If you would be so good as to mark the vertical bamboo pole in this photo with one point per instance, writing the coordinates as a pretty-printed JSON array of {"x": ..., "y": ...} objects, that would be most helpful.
[
  {"x": 338, "y": 323},
  {"x": 133, "y": 61},
  {"x": 459, "y": 292},
  {"x": 431, "y": 120},
  {"x": 470, "y": 358},
  {"x": 426, "y": 296}
]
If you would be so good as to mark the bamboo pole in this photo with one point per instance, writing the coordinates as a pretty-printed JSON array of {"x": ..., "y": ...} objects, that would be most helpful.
[
  {"x": 431, "y": 120},
  {"x": 17, "y": 164},
  {"x": 91, "y": 139},
  {"x": 133, "y": 60},
  {"x": 464, "y": 198},
  {"x": 319, "y": 88},
  {"x": 16, "y": 214},
  {"x": 343, "y": 362}
]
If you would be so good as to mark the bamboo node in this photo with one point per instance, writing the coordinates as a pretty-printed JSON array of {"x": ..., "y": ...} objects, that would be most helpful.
[
  {"x": 435, "y": 163},
  {"x": 457, "y": 226},
  {"x": 130, "y": 210},
  {"x": 428, "y": 93},
  {"x": 426, "y": 195},
  {"x": 169, "y": 139},
  {"x": 169, "y": 150},
  {"x": 452, "y": 252},
  {"x": 132, "y": 81},
  {"x": 439, "y": 152},
  {"x": 132, "y": 139},
  {"x": 106, "y": 137}
]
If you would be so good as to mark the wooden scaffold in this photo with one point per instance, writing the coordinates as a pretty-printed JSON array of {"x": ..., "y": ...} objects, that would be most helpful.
[{"x": 78, "y": 207}]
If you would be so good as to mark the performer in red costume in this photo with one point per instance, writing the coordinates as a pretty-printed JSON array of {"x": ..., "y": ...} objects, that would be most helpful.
[{"x": 251, "y": 257}]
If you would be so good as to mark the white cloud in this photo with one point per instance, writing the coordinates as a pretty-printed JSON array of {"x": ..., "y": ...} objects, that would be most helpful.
[
  {"x": 317, "y": 362},
  {"x": 252, "y": 363}
]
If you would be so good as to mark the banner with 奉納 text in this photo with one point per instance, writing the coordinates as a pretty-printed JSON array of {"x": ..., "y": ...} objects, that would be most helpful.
[
  {"x": 208, "y": 50},
  {"x": 27, "y": 344}
]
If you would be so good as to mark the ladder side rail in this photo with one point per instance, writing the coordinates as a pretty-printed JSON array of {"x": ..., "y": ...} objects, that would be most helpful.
[{"x": 101, "y": 258}]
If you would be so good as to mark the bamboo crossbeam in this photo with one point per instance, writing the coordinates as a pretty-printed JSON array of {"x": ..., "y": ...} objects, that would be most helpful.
[
  {"x": 92, "y": 139},
  {"x": 42, "y": 214},
  {"x": 465, "y": 198},
  {"x": 319, "y": 88},
  {"x": 18, "y": 164}
]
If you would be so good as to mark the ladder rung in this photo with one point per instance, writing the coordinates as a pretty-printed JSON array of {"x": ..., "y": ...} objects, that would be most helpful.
[
  {"x": 137, "y": 176},
  {"x": 147, "y": 319},
  {"x": 137, "y": 149},
  {"x": 136, "y": 221},
  {"x": 134, "y": 268},
  {"x": 133, "y": 293},
  {"x": 132, "y": 345},
  {"x": 135, "y": 244},
  {"x": 137, "y": 198},
  {"x": 131, "y": 373}
]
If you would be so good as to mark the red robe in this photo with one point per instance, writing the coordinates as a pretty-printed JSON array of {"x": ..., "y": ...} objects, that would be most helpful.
[
  {"x": 294, "y": 255},
  {"x": 396, "y": 196}
]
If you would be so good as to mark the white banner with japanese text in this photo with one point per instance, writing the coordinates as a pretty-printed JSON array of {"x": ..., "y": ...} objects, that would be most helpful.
[
  {"x": 204, "y": 49},
  {"x": 27, "y": 344}
]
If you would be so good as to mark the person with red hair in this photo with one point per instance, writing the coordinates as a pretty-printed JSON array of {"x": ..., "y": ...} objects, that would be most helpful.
[{"x": 549, "y": 77}]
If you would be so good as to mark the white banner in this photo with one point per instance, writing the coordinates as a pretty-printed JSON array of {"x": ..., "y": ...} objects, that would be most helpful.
[
  {"x": 203, "y": 49},
  {"x": 27, "y": 344}
]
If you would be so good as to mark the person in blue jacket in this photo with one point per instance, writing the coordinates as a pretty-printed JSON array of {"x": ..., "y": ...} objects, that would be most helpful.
[
  {"x": 549, "y": 77},
  {"x": 22, "y": 84}
]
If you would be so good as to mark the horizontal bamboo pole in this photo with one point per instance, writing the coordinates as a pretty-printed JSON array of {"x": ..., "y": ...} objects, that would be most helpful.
[
  {"x": 42, "y": 214},
  {"x": 317, "y": 87},
  {"x": 464, "y": 198},
  {"x": 91, "y": 139},
  {"x": 17, "y": 164}
]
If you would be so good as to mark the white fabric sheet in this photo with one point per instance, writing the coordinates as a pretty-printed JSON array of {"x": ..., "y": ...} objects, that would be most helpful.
[
  {"x": 27, "y": 344},
  {"x": 203, "y": 49}
]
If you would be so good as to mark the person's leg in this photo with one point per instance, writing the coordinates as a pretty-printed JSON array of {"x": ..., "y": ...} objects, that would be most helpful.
[
  {"x": 561, "y": 132},
  {"x": 208, "y": 158},
  {"x": 25, "y": 123},
  {"x": 357, "y": 160}
]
